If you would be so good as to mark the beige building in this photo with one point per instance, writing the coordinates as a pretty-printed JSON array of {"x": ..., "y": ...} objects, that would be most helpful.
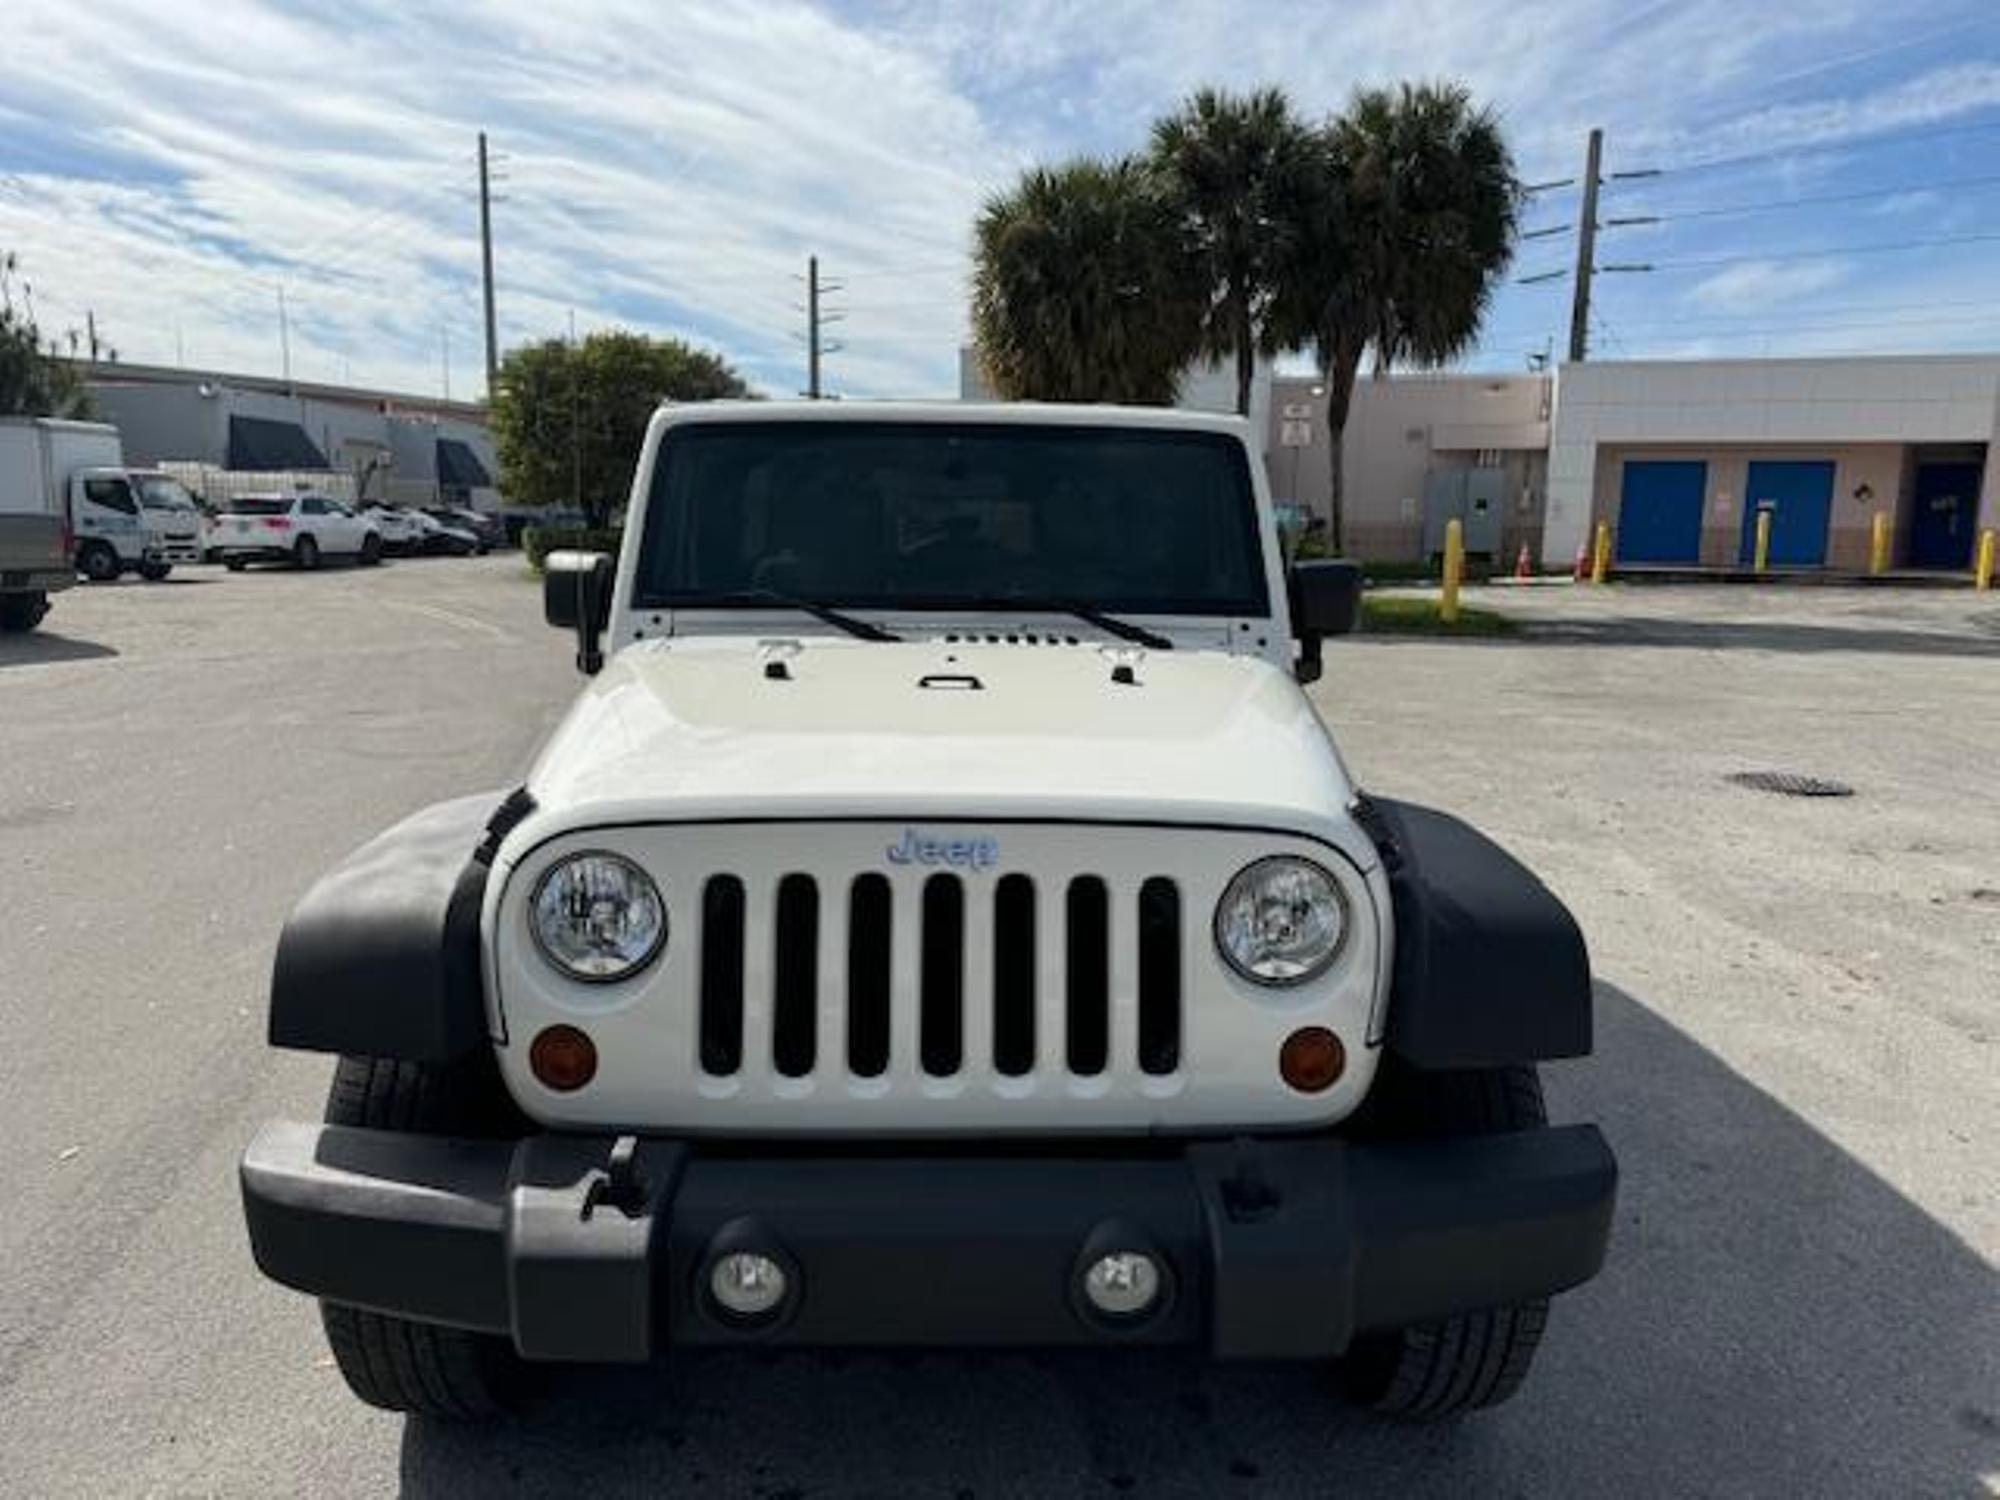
[
  {"x": 1409, "y": 443},
  {"x": 1678, "y": 458}
]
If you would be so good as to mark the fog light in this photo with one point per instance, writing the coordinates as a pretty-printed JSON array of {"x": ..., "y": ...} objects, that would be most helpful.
[
  {"x": 747, "y": 1284},
  {"x": 1122, "y": 1284},
  {"x": 563, "y": 1058},
  {"x": 1312, "y": 1059}
]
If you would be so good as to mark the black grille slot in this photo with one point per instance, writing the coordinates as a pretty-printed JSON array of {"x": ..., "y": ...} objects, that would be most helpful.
[
  {"x": 722, "y": 975},
  {"x": 1087, "y": 966},
  {"x": 795, "y": 976},
  {"x": 942, "y": 1040},
  {"x": 1159, "y": 976},
  {"x": 868, "y": 919},
  {"x": 1014, "y": 975}
]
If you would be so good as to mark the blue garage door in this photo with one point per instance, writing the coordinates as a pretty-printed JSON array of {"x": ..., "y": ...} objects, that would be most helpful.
[
  {"x": 1800, "y": 497},
  {"x": 1659, "y": 512}
]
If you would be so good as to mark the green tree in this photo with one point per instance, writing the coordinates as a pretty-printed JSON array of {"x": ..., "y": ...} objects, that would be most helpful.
[
  {"x": 568, "y": 419},
  {"x": 1081, "y": 288},
  {"x": 1410, "y": 222},
  {"x": 1235, "y": 166},
  {"x": 35, "y": 379}
]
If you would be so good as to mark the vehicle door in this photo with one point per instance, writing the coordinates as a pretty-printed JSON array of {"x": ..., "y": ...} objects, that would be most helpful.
[{"x": 107, "y": 509}]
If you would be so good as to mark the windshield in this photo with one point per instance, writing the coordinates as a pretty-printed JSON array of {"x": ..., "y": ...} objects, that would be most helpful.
[
  {"x": 953, "y": 516},
  {"x": 164, "y": 494}
]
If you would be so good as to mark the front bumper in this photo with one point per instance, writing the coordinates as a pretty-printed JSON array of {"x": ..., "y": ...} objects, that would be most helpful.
[{"x": 1274, "y": 1248}]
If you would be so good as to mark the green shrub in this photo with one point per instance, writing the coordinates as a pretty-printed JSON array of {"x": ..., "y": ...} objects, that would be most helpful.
[{"x": 537, "y": 542}]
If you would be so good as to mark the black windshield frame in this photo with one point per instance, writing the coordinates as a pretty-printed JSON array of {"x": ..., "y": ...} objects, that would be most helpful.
[{"x": 668, "y": 577}]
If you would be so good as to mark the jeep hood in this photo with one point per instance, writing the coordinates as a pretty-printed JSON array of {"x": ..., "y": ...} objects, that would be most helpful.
[{"x": 694, "y": 730}]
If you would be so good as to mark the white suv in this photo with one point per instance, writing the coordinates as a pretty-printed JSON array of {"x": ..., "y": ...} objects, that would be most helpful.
[
  {"x": 300, "y": 529},
  {"x": 943, "y": 920}
]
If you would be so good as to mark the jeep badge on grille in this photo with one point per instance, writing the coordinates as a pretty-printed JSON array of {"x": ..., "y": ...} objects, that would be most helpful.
[{"x": 928, "y": 849}]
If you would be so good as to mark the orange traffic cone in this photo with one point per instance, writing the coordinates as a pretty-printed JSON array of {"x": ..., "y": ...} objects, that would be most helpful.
[{"x": 1523, "y": 570}]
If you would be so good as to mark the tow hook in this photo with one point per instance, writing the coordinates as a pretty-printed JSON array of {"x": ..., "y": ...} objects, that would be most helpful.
[{"x": 618, "y": 1184}]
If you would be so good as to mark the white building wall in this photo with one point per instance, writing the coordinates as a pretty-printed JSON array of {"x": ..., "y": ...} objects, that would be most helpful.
[{"x": 1775, "y": 403}]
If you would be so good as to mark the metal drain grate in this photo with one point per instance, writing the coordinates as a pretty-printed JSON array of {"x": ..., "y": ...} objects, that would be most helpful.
[{"x": 1791, "y": 784}]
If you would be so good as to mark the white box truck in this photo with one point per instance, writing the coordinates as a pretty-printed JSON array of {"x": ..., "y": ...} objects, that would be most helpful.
[{"x": 42, "y": 461}]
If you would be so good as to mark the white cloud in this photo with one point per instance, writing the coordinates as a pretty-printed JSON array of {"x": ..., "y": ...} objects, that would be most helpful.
[{"x": 1752, "y": 286}]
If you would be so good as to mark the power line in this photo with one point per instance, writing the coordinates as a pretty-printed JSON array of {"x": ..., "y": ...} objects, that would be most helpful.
[
  {"x": 1731, "y": 319},
  {"x": 1882, "y": 247},
  {"x": 1820, "y": 148},
  {"x": 1776, "y": 205}
]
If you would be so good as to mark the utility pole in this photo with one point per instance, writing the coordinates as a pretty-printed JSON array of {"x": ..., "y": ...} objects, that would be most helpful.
[
  {"x": 816, "y": 347},
  {"x": 90, "y": 323},
  {"x": 575, "y": 420},
  {"x": 1586, "y": 251},
  {"x": 444, "y": 335},
  {"x": 812, "y": 327},
  {"x": 284, "y": 339},
  {"x": 486, "y": 267}
]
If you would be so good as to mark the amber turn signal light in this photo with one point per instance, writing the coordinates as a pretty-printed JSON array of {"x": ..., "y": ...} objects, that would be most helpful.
[
  {"x": 562, "y": 1058},
  {"x": 1311, "y": 1060}
]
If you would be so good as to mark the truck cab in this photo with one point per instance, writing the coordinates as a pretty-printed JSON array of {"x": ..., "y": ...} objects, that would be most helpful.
[
  {"x": 941, "y": 920},
  {"x": 126, "y": 524}
]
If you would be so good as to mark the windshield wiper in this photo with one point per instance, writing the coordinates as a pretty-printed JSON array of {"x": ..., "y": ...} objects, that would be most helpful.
[
  {"x": 1125, "y": 630},
  {"x": 865, "y": 630}
]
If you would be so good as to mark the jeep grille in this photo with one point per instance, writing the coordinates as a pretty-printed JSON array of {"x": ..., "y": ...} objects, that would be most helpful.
[{"x": 1005, "y": 987}]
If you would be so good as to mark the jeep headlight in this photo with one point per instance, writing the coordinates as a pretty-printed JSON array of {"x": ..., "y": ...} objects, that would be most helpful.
[
  {"x": 597, "y": 917},
  {"x": 1281, "y": 920}
]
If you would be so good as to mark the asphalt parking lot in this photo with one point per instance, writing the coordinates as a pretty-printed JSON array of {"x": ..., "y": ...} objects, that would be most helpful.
[{"x": 1799, "y": 1064}]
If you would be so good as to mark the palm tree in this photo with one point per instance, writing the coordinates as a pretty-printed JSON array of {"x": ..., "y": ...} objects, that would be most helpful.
[
  {"x": 1081, "y": 290},
  {"x": 1409, "y": 225},
  {"x": 1234, "y": 163}
]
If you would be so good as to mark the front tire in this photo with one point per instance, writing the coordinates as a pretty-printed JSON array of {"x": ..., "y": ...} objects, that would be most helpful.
[
  {"x": 153, "y": 572},
  {"x": 306, "y": 553},
  {"x": 371, "y": 550},
  {"x": 398, "y": 1364},
  {"x": 1435, "y": 1370},
  {"x": 97, "y": 562},
  {"x": 235, "y": 564}
]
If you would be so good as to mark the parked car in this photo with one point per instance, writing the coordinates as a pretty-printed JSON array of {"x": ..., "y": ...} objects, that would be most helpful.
[
  {"x": 301, "y": 529},
  {"x": 440, "y": 540},
  {"x": 402, "y": 531},
  {"x": 972, "y": 938},
  {"x": 487, "y": 528}
]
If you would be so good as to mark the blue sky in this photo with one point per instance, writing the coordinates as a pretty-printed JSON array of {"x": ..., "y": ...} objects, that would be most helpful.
[{"x": 1830, "y": 174}]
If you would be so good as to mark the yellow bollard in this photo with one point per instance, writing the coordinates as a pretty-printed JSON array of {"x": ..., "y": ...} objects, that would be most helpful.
[
  {"x": 1763, "y": 563},
  {"x": 1600, "y": 557},
  {"x": 1454, "y": 570},
  {"x": 1878, "y": 545},
  {"x": 1982, "y": 575}
]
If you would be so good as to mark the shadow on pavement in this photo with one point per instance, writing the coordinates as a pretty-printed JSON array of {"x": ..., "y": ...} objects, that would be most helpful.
[
  {"x": 39, "y": 647},
  {"x": 1774, "y": 1319}
]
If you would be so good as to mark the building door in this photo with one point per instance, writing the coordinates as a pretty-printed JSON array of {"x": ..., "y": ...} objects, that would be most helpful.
[
  {"x": 1946, "y": 500},
  {"x": 1799, "y": 495},
  {"x": 1659, "y": 511}
]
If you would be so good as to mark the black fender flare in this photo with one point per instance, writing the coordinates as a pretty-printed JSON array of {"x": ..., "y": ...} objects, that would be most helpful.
[
  {"x": 381, "y": 958},
  {"x": 1490, "y": 967}
]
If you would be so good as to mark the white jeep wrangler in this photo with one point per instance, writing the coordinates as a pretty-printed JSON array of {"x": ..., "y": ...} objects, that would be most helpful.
[{"x": 942, "y": 921}]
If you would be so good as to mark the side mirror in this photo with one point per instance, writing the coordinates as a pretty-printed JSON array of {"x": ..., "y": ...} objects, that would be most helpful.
[
  {"x": 1326, "y": 600},
  {"x": 576, "y": 595}
]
